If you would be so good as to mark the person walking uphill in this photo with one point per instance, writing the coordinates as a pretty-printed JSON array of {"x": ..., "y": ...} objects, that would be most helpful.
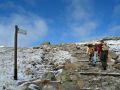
[
  {"x": 104, "y": 56},
  {"x": 95, "y": 53},
  {"x": 91, "y": 54}
]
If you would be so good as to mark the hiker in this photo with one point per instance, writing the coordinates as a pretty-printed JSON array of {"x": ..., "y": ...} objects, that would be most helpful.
[
  {"x": 95, "y": 53},
  {"x": 91, "y": 54},
  {"x": 104, "y": 56}
]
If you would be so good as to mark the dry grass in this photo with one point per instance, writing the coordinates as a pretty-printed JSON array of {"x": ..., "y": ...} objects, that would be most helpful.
[
  {"x": 59, "y": 87},
  {"x": 71, "y": 66}
]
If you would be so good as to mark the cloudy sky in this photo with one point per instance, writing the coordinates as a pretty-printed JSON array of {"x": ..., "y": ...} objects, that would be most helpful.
[{"x": 58, "y": 21}]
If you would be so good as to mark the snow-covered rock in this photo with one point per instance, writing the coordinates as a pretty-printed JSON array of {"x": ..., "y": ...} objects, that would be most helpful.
[{"x": 114, "y": 45}]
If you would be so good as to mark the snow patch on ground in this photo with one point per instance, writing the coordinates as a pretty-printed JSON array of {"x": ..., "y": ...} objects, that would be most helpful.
[
  {"x": 88, "y": 42},
  {"x": 30, "y": 65},
  {"x": 61, "y": 57},
  {"x": 27, "y": 58}
]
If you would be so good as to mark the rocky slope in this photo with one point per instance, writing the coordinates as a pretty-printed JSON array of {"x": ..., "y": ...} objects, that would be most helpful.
[{"x": 57, "y": 67}]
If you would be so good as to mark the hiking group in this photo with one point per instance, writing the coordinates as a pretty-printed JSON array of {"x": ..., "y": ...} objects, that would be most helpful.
[{"x": 98, "y": 51}]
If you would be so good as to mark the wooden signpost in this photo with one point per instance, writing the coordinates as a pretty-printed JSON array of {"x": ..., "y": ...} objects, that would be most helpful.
[{"x": 17, "y": 30}]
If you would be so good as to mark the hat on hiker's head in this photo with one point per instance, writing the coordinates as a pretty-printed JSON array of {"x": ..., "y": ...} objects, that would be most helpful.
[
  {"x": 90, "y": 45},
  {"x": 102, "y": 41}
]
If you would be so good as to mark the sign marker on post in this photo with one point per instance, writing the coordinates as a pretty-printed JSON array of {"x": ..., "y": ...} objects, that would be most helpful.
[{"x": 21, "y": 31}]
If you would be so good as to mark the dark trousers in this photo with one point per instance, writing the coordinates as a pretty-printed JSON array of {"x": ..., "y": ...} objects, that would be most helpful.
[
  {"x": 104, "y": 64},
  {"x": 103, "y": 58}
]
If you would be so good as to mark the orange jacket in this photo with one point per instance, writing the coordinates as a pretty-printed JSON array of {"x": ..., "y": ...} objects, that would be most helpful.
[{"x": 91, "y": 50}]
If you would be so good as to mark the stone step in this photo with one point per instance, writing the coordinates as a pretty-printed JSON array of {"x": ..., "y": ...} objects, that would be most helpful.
[{"x": 100, "y": 74}]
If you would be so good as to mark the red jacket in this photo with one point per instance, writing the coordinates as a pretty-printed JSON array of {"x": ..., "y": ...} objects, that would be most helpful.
[{"x": 100, "y": 48}]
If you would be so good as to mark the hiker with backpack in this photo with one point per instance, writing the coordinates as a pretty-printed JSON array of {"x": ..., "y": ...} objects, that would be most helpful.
[
  {"x": 91, "y": 55},
  {"x": 104, "y": 56}
]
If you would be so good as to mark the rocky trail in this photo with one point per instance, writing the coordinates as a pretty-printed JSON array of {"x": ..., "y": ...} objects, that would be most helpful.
[{"x": 76, "y": 74}]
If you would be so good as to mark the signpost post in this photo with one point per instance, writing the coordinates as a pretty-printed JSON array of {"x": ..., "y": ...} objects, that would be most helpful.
[{"x": 17, "y": 30}]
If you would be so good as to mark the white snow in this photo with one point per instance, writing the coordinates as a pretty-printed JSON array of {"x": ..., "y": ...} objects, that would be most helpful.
[
  {"x": 61, "y": 57},
  {"x": 88, "y": 42},
  {"x": 32, "y": 86},
  {"x": 114, "y": 45},
  {"x": 2, "y": 46},
  {"x": 26, "y": 58}
]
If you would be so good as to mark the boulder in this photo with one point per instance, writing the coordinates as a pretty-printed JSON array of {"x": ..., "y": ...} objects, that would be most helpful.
[
  {"x": 46, "y": 43},
  {"x": 51, "y": 85},
  {"x": 113, "y": 55},
  {"x": 117, "y": 66}
]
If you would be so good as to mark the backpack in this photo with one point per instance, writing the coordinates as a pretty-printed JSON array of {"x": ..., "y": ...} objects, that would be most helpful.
[
  {"x": 91, "y": 50},
  {"x": 103, "y": 56}
]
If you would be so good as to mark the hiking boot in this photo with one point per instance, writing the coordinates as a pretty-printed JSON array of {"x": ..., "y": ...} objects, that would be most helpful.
[
  {"x": 104, "y": 68},
  {"x": 89, "y": 64},
  {"x": 94, "y": 65}
]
